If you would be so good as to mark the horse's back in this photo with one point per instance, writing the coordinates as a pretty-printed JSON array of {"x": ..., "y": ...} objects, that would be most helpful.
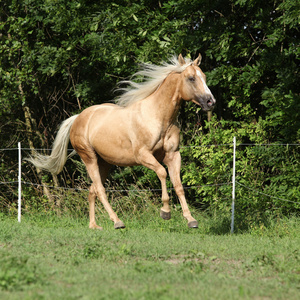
[{"x": 84, "y": 118}]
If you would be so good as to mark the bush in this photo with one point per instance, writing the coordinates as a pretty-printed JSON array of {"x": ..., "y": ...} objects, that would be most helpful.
[{"x": 260, "y": 169}]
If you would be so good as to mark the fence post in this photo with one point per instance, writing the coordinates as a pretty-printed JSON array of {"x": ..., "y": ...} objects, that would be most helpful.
[
  {"x": 233, "y": 185},
  {"x": 19, "y": 182}
]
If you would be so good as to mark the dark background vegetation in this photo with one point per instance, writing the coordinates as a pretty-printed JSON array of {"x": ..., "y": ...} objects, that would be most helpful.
[{"x": 59, "y": 57}]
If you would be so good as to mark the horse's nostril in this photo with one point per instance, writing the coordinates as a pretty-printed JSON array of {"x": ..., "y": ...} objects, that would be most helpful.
[{"x": 210, "y": 102}]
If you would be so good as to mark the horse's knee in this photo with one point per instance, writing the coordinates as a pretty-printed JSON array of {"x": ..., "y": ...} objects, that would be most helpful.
[
  {"x": 92, "y": 194},
  {"x": 161, "y": 173}
]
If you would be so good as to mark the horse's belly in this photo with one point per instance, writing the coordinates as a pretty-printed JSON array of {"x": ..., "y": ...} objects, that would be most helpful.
[
  {"x": 114, "y": 147},
  {"x": 115, "y": 152}
]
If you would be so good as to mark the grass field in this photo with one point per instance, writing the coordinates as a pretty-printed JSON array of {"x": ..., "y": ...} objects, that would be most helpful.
[{"x": 48, "y": 257}]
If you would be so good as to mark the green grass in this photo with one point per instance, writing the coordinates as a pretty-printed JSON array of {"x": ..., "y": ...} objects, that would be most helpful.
[{"x": 49, "y": 257}]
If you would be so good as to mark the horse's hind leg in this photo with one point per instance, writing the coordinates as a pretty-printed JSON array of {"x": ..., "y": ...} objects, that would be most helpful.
[
  {"x": 98, "y": 171},
  {"x": 92, "y": 199}
]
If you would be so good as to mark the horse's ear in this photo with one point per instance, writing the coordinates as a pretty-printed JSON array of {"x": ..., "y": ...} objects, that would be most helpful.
[
  {"x": 197, "y": 61},
  {"x": 181, "y": 60}
]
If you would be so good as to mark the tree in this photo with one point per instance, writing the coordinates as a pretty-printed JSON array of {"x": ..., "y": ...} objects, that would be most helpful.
[{"x": 58, "y": 57}]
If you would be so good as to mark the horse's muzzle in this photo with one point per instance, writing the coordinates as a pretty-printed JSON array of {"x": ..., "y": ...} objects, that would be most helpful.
[{"x": 207, "y": 102}]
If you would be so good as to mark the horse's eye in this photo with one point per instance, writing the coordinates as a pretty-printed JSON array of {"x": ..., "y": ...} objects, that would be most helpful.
[{"x": 192, "y": 78}]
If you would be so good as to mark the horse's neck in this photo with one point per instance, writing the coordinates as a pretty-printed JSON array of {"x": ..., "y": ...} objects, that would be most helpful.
[{"x": 165, "y": 101}]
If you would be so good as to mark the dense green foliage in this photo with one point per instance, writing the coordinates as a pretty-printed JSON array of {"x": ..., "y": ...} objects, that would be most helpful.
[
  {"x": 58, "y": 57},
  {"x": 47, "y": 257}
]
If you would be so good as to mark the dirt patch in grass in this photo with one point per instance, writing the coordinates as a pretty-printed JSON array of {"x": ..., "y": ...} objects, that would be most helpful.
[{"x": 182, "y": 258}]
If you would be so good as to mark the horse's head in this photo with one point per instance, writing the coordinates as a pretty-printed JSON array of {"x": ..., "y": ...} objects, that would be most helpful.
[{"x": 193, "y": 85}]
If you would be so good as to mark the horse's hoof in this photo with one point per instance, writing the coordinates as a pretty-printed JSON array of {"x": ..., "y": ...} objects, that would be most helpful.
[
  {"x": 165, "y": 215},
  {"x": 119, "y": 225},
  {"x": 193, "y": 224}
]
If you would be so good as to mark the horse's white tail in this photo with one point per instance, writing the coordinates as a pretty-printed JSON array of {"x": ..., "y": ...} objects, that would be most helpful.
[{"x": 56, "y": 161}]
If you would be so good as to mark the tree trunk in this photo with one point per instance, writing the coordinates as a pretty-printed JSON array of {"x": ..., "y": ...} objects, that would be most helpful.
[
  {"x": 29, "y": 129},
  {"x": 209, "y": 115}
]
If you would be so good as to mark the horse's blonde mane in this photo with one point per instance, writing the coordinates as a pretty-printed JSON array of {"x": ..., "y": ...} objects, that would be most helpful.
[{"x": 153, "y": 77}]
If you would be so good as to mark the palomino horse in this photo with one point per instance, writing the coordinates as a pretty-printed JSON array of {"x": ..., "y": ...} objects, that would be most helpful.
[{"x": 139, "y": 130}]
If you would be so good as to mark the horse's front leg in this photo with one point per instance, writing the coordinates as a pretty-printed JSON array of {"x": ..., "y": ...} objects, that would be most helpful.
[
  {"x": 173, "y": 162},
  {"x": 148, "y": 160}
]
